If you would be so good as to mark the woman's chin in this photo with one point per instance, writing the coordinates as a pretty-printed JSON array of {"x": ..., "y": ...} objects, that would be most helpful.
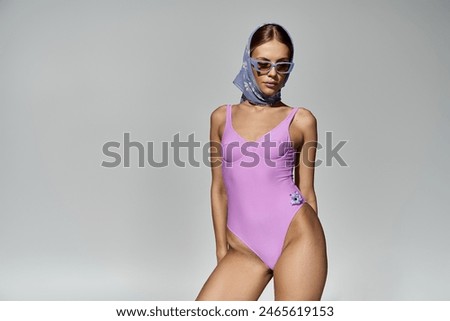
[{"x": 270, "y": 92}]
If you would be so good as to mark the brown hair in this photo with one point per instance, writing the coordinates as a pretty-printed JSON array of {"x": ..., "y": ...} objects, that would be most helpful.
[{"x": 269, "y": 32}]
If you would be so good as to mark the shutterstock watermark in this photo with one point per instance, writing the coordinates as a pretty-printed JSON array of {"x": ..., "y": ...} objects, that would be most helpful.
[{"x": 246, "y": 154}]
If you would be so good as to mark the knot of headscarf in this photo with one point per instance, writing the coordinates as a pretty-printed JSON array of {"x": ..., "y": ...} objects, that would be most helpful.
[{"x": 245, "y": 80}]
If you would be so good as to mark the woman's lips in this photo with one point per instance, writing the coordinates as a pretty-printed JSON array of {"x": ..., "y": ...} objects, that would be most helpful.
[{"x": 270, "y": 84}]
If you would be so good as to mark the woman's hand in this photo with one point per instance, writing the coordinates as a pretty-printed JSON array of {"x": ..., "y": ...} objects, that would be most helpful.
[{"x": 220, "y": 253}]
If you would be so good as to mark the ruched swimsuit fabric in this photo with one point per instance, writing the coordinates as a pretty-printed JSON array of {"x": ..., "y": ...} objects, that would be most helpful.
[{"x": 262, "y": 196}]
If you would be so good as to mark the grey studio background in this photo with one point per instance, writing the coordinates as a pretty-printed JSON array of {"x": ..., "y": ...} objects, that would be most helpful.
[{"x": 77, "y": 74}]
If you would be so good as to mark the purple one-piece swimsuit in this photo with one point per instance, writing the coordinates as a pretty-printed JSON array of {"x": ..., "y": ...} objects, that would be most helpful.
[{"x": 262, "y": 196}]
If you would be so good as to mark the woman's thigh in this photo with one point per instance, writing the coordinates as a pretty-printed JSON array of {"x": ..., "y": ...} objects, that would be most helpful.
[
  {"x": 239, "y": 276},
  {"x": 301, "y": 270}
]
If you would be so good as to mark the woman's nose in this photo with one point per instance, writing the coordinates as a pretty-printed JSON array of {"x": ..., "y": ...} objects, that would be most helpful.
[{"x": 272, "y": 72}]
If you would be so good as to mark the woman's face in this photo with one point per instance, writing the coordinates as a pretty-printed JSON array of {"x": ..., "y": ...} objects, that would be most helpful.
[{"x": 274, "y": 51}]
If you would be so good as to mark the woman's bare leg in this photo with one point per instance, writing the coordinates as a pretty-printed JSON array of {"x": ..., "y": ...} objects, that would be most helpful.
[
  {"x": 239, "y": 276},
  {"x": 301, "y": 270}
]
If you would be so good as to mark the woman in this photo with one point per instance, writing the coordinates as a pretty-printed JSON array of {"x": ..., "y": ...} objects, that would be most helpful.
[{"x": 265, "y": 221}]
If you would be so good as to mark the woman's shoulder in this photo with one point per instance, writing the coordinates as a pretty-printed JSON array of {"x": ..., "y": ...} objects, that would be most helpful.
[
  {"x": 305, "y": 113},
  {"x": 218, "y": 114},
  {"x": 304, "y": 117},
  {"x": 220, "y": 109}
]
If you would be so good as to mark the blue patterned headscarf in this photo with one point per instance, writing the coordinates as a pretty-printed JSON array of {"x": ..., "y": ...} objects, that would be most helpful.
[{"x": 245, "y": 80}]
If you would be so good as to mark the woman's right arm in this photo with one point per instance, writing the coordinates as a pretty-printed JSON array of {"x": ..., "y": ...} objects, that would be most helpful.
[{"x": 218, "y": 191}]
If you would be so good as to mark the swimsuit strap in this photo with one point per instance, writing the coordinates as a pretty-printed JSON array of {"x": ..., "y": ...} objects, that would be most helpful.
[
  {"x": 291, "y": 116},
  {"x": 228, "y": 125},
  {"x": 228, "y": 122}
]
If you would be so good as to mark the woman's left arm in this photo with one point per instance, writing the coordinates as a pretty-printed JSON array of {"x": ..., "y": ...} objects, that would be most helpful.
[{"x": 304, "y": 171}]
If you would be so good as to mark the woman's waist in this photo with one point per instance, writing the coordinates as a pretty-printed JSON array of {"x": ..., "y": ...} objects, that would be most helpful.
[{"x": 241, "y": 187}]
